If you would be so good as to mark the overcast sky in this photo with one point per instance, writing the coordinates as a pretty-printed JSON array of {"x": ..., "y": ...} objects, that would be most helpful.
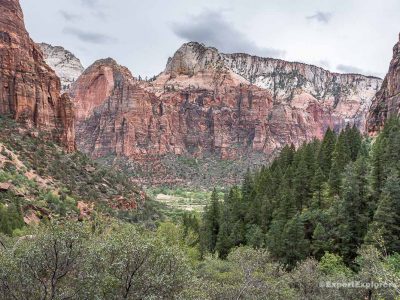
[{"x": 339, "y": 35}]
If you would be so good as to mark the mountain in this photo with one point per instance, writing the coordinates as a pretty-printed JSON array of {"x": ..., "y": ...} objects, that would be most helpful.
[
  {"x": 42, "y": 177},
  {"x": 386, "y": 103},
  {"x": 114, "y": 113},
  {"x": 63, "y": 62},
  {"x": 209, "y": 102},
  {"x": 29, "y": 88}
]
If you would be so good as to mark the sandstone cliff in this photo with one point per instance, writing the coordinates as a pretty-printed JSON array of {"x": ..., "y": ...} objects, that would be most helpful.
[
  {"x": 208, "y": 102},
  {"x": 386, "y": 103},
  {"x": 29, "y": 89},
  {"x": 66, "y": 65},
  {"x": 115, "y": 115},
  {"x": 347, "y": 96}
]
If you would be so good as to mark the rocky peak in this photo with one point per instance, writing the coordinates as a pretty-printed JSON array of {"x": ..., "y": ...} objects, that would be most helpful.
[
  {"x": 13, "y": 15},
  {"x": 386, "y": 103},
  {"x": 29, "y": 88},
  {"x": 284, "y": 79},
  {"x": 347, "y": 95},
  {"x": 66, "y": 65},
  {"x": 193, "y": 58},
  {"x": 96, "y": 84}
]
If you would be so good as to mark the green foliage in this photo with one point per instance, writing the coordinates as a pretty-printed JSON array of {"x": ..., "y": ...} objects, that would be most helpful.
[
  {"x": 331, "y": 264},
  {"x": 386, "y": 222},
  {"x": 245, "y": 274},
  {"x": 69, "y": 261},
  {"x": 46, "y": 177},
  {"x": 210, "y": 228},
  {"x": 320, "y": 198},
  {"x": 11, "y": 218}
]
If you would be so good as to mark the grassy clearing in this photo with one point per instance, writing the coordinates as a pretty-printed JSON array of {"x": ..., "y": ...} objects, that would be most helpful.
[{"x": 180, "y": 200}]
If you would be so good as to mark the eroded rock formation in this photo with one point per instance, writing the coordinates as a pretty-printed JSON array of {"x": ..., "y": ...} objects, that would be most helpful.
[
  {"x": 386, "y": 103},
  {"x": 209, "y": 102},
  {"x": 66, "y": 65},
  {"x": 29, "y": 89}
]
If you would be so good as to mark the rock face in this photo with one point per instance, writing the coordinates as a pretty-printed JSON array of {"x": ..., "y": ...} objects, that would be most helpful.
[
  {"x": 208, "y": 102},
  {"x": 63, "y": 62},
  {"x": 386, "y": 103},
  {"x": 29, "y": 89},
  {"x": 115, "y": 115}
]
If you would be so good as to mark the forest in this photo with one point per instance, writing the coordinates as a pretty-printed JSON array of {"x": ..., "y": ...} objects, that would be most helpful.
[{"x": 319, "y": 222}]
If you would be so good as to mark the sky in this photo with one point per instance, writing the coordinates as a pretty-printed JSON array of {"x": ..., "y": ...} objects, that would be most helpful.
[{"x": 346, "y": 36}]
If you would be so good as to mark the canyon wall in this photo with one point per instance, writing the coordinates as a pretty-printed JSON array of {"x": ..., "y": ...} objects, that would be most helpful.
[
  {"x": 205, "y": 101},
  {"x": 29, "y": 88},
  {"x": 386, "y": 103}
]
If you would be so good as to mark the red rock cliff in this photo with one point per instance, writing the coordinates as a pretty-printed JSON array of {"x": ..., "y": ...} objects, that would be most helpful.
[
  {"x": 29, "y": 89},
  {"x": 206, "y": 101},
  {"x": 386, "y": 103}
]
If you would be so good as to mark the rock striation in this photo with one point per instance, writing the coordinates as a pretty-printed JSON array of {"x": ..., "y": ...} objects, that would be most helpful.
[
  {"x": 66, "y": 65},
  {"x": 386, "y": 103},
  {"x": 29, "y": 88},
  {"x": 114, "y": 114},
  {"x": 205, "y": 101}
]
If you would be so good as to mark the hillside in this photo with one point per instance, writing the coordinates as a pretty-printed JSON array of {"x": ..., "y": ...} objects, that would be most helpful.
[{"x": 46, "y": 183}]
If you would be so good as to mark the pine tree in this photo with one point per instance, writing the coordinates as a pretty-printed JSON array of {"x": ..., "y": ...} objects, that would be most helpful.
[
  {"x": 378, "y": 166},
  {"x": 303, "y": 175},
  {"x": 295, "y": 245},
  {"x": 386, "y": 223},
  {"x": 11, "y": 217},
  {"x": 385, "y": 155},
  {"x": 320, "y": 241},
  {"x": 224, "y": 241},
  {"x": 325, "y": 153},
  {"x": 353, "y": 213},
  {"x": 341, "y": 157},
  {"x": 211, "y": 219},
  {"x": 317, "y": 186},
  {"x": 254, "y": 236},
  {"x": 354, "y": 140},
  {"x": 248, "y": 188},
  {"x": 274, "y": 240}
]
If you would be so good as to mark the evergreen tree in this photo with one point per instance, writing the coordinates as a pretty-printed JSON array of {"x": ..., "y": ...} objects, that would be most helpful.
[
  {"x": 386, "y": 223},
  {"x": 254, "y": 236},
  {"x": 320, "y": 197},
  {"x": 317, "y": 186},
  {"x": 211, "y": 223},
  {"x": 248, "y": 188},
  {"x": 354, "y": 140},
  {"x": 224, "y": 241},
  {"x": 325, "y": 153},
  {"x": 295, "y": 245},
  {"x": 353, "y": 213},
  {"x": 302, "y": 180},
  {"x": 11, "y": 218},
  {"x": 320, "y": 241},
  {"x": 341, "y": 157},
  {"x": 274, "y": 239}
]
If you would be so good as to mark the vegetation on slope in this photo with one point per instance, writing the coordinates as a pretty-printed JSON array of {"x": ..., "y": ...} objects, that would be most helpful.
[
  {"x": 187, "y": 172},
  {"x": 316, "y": 221},
  {"x": 113, "y": 260},
  {"x": 334, "y": 195},
  {"x": 39, "y": 181}
]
